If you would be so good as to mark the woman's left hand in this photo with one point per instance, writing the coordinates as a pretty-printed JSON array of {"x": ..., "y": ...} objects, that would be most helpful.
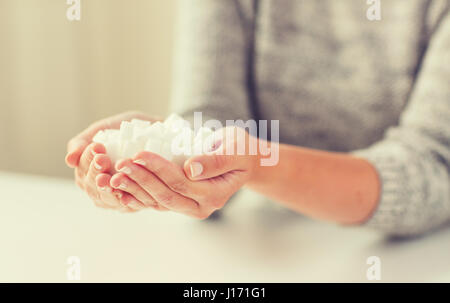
[{"x": 202, "y": 186}]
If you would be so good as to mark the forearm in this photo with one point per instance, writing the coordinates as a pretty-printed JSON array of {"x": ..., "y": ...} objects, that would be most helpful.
[{"x": 330, "y": 186}]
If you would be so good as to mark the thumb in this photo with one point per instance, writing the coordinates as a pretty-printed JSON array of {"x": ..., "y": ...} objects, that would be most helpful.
[{"x": 210, "y": 165}]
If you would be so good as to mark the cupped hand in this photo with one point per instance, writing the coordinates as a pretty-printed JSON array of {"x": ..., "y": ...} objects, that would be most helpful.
[
  {"x": 93, "y": 167},
  {"x": 204, "y": 184},
  {"x": 78, "y": 144}
]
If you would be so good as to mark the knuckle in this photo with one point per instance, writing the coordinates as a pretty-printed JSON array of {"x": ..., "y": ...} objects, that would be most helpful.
[
  {"x": 166, "y": 199},
  {"x": 146, "y": 154},
  {"x": 156, "y": 167},
  {"x": 179, "y": 185},
  {"x": 219, "y": 161},
  {"x": 155, "y": 162},
  {"x": 146, "y": 180},
  {"x": 202, "y": 215},
  {"x": 149, "y": 203}
]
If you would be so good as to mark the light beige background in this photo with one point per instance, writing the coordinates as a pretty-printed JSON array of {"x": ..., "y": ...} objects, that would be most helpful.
[{"x": 57, "y": 76}]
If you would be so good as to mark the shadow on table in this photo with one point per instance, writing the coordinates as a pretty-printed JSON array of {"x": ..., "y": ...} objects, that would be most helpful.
[
  {"x": 421, "y": 258},
  {"x": 263, "y": 232}
]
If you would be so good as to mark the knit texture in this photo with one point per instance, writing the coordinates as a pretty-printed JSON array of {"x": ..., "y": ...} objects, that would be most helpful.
[{"x": 336, "y": 81}]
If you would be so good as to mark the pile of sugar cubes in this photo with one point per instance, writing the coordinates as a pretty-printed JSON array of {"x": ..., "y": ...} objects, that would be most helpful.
[{"x": 172, "y": 139}]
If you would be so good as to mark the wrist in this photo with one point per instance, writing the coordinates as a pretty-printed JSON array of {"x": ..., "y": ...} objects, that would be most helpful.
[{"x": 257, "y": 170}]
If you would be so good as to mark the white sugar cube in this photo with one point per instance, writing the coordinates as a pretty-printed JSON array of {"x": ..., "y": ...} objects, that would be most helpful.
[
  {"x": 203, "y": 133},
  {"x": 140, "y": 124},
  {"x": 157, "y": 130},
  {"x": 172, "y": 139},
  {"x": 153, "y": 145},
  {"x": 100, "y": 137},
  {"x": 175, "y": 122},
  {"x": 166, "y": 151},
  {"x": 203, "y": 141},
  {"x": 130, "y": 149},
  {"x": 113, "y": 150},
  {"x": 181, "y": 142},
  {"x": 126, "y": 131}
]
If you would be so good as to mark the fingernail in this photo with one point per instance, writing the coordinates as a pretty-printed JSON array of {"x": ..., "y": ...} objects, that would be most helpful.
[
  {"x": 122, "y": 186},
  {"x": 196, "y": 169},
  {"x": 97, "y": 166},
  {"x": 125, "y": 170},
  {"x": 140, "y": 162}
]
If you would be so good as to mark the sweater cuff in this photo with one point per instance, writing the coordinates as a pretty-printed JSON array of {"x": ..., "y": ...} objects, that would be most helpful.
[{"x": 394, "y": 199}]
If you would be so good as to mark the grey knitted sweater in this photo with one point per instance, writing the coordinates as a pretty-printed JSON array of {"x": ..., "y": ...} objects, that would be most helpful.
[{"x": 336, "y": 81}]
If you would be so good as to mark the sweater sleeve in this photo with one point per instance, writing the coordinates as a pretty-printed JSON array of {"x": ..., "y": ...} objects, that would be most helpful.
[
  {"x": 413, "y": 159},
  {"x": 210, "y": 67}
]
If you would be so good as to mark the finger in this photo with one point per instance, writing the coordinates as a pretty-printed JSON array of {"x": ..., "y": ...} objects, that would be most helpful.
[
  {"x": 122, "y": 182},
  {"x": 99, "y": 164},
  {"x": 132, "y": 203},
  {"x": 223, "y": 159},
  {"x": 75, "y": 148},
  {"x": 78, "y": 180},
  {"x": 108, "y": 195},
  {"x": 112, "y": 196},
  {"x": 87, "y": 157},
  {"x": 213, "y": 165},
  {"x": 168, "y": 172},
  {"x": 78, "y": 144},
  {"x": 160, "y": 191},
  {"x": 159, "y": 207},
  {"x": 95, "y": 196}
]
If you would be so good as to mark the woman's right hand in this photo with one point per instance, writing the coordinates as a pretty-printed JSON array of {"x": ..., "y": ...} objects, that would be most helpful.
[{"x": 93, "y": 167}]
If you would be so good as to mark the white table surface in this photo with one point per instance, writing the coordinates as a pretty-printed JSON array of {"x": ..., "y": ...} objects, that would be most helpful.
[{"x": 43, "y": 221}]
